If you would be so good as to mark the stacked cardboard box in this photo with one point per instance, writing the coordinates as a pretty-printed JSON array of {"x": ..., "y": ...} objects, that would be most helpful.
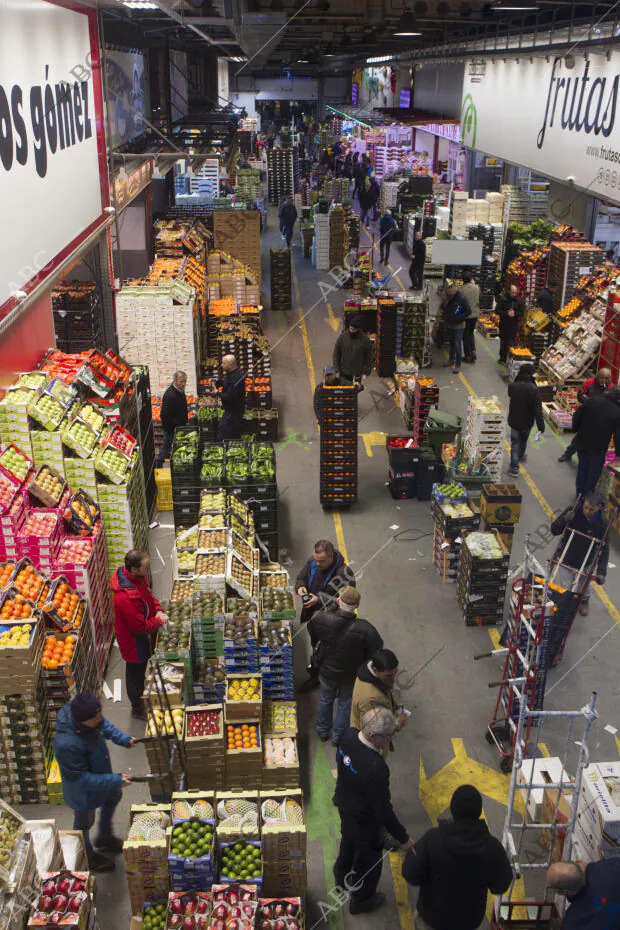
[
  {"x": 284, "y": 846},
  {"x": 204, "y": 755},
  {"x": 500, "y": 508},
  {"x": 238, "y": 233},
  {"x": 481, "y": 579},
  {"x": 598, "y": 814},
  {"x": 146, "y": 860},
  {"x": 458, "y": 213},
  {"x": 484, "y": 434}
]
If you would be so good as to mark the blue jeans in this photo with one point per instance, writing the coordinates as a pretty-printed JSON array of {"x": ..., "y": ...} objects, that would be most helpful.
[
  {"x": 84, "y": 820},
  {"x": 166, "y": 450},
  {"x": 518, "y": 445},
  {"x": 324, "y": 719},
  {"x": 589, "y": 470},
  {"x": 288, "y": 235},
  {"x": 456, "y": 346}
]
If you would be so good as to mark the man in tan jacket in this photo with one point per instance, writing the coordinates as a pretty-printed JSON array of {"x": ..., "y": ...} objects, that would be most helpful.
[{"x": 373, "y": 688}]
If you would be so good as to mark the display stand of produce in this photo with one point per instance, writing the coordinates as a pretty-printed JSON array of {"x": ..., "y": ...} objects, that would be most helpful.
[
  {"x": 453, "y": 516},
  {"x": 578, "y": 346},
  {"x": 517, "y": 357},
  {"x": 338, "y": 467},
  {"x": 484, "y": 435},
  {"x": 481, "y": 579}
]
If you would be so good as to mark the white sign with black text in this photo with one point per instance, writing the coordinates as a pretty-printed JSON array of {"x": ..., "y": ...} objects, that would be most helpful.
[
  {"x": 561, "y": 122},
  {"x": 50, "y": 183}
]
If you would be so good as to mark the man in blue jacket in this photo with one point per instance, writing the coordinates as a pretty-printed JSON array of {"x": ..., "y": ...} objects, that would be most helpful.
[{"x": 87, "y": 779}]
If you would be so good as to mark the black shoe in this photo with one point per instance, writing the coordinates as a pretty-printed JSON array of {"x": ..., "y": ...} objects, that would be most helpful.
[
  {"x": 308, "y": 685},
  {"x": 566, "y": 456},
  {"x": 110, "y": 844},
  {"x": 138, "y": 712},
  {"x": 99, "y": 863},
  {"x": 366, "y": 907},
  {"x": 323, "y": 737},
  {"x": 584, "y": 608}
]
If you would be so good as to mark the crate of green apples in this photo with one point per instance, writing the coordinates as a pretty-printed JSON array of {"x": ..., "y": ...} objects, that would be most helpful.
[
  {"x": 47, "y": 411},
  {"x": 80, "y": 437},
  {"x": 113, "y": 465},
  {"x": 15, "y": 462}
]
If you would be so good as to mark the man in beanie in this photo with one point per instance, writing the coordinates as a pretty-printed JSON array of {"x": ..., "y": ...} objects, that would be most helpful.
[
  {"x": 455, "y": 864},
  {"x": 330, "y": 379},
  {"x": 343, "y": 643},
  {"x": 87, "y": 779},
  {"x": 374, "y": 687},
  {"x": 353, "y": 353}
]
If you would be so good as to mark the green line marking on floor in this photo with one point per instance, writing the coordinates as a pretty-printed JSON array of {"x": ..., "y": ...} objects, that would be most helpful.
[{"x": 323, "y": 825}]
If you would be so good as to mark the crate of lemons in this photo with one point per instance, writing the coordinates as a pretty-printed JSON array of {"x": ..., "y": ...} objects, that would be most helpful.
[
  {"x": 18, "y": 635},
  {"x": 243, "y": 689}
]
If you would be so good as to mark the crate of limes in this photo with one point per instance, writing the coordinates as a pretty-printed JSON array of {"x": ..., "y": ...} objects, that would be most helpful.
[
  {"x": 241, "y": 862},
  {"x": 154, "y": 915},
  {"x": 191, "y": 854}
]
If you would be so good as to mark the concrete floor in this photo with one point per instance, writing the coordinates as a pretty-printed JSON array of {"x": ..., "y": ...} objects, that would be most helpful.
[{"x": 389, "y": 543}]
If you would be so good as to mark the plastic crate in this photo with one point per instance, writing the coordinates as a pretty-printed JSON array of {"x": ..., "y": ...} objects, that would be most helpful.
[{"x": 163, "y": 482}]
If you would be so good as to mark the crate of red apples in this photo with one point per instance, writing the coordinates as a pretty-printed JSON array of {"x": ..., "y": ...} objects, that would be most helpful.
[{"x": 64, "y": 901}]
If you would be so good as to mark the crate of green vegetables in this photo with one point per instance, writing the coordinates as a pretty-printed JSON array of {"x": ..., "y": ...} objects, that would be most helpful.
[
  {"x": 184, "y": 458},
  {"x": 263, "y": 464}
]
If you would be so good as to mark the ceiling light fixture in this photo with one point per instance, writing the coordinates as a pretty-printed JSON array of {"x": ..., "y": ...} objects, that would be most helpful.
[
  {"x": 138, "y": 4},
  {"x": 511, "y": 7},
  {"x": 407, "y": 25},
  {"x": 379, "y": 59}
]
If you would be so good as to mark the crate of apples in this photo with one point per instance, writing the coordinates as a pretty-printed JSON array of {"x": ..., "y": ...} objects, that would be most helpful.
[
  {"x": 8, "y": 490},
  {"x": 48, "y": 486},
  {"x": 40, "y": 524},
  {"x": 188, "y": 911},
  {"x": 75, "y": 551},
  {"x": 201, "y": 723},
  {"x": 15, "y": 462},
  {"x": 121, "y": 440},
  {"x": 63, "y": 900}
]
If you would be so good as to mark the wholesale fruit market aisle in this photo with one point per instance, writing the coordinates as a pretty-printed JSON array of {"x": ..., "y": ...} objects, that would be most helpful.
[{"x": 389, "y": 545}]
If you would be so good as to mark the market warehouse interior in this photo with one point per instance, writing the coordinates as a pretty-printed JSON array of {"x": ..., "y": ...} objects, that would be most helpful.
[{"x": 309, "y": 485}]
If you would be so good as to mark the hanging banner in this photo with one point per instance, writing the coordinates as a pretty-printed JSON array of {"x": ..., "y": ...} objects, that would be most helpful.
[
  {"x": 561, "y": 122},
  {"x": 128, "y": 92},
  {"x": 53, "y": 173}
]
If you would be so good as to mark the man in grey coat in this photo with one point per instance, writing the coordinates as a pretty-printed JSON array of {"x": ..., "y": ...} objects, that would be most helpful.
[{"x": 353, "y": 353}]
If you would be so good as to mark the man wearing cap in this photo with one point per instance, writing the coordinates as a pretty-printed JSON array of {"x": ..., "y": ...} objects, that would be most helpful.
[
  {"x": 330, "y": 379},
  {"x": 353, "y": 353},
  {"x": 343, "y": 642},
  {"x": 455, "y": 864},
  {"x": 87, "y": 779}
]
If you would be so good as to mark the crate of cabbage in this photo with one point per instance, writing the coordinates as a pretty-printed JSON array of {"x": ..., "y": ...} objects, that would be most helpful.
[
  {"x": 277, "y": 604},
  {"x": 191, "y": 854}
]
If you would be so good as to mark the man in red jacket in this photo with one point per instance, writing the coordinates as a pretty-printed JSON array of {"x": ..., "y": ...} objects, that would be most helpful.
[{"x": 137, "y": 615}]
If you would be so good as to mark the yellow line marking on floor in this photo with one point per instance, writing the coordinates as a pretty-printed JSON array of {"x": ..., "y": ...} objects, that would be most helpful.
[
  {"x": 375, "y": 438},
  {"x": 333, "y": 321},
  {"x": 602, "y": 595},
  {"x": 543, "y": 750},
  {"x": 401, "y": 891},
  {"x": 340, "y": 535}
]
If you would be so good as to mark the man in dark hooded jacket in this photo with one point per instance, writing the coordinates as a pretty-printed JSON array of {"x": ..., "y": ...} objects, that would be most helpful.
[{"x": 455, "y": 864}]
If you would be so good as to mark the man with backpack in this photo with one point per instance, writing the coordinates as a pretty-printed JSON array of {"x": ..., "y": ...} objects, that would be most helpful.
[{"x": 344, "y": 642}]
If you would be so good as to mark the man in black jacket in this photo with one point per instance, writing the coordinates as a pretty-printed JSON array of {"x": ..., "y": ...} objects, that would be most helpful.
[
  {"x": 595, "y": 422},
  {"x": 592, "y": 387},
  {"x": 353, "y": 352},
  {"x": 365, "y": 807},
  {"x": 321, "y": 578},
  {"x": 344, "y": 642},
  {"x": 510, "y": 309},
  {"x": 587, "y": 520},
  {"x": 455, "y": 308},
  {"x": 418, "y": 257},
  {"x": 593, "y": 893},
  {"x": 288, "y": 218},
  {"x": 173, "y": 414},
  {"x": 233, "y": 400},
  {"x": 455, "y": 864},
  {"x": 524, "y": 408},
  {"x": 387, "y": 228}
]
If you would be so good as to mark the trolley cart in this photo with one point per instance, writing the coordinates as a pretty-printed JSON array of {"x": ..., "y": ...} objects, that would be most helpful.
[
  {"x": 528, "y": 861},
  {"x": 524, "y": 674},
  {"x": 164, "y": 749},
  {"x": 569, "y": 600}
]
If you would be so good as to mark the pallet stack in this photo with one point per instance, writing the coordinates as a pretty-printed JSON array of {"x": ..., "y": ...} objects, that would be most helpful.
[
  {"x": 415, "y": 341},
  {"x": 280, "y": 277},
  {"x": 338, "y": 476},
  {"x": 389, "y": 328},
  {"x": 452, "y": 518},
  {"x": 484, "y": 435},
  {"x": 337, "y": 237},
  {"x": 500, "y": 508},
  {"x": 282, "y": 173},
  {"x": 321, "y": 241},
  {"x": 481, "y": 579},
  {"x": 568, "y": 262},
  {"x": 78, "y": 316}
]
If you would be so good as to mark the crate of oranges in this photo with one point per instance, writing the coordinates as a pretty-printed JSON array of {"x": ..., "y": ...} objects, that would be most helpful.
[
  {"x": 243, "y": 697},
  {"x": 14, "y": 606},
  {"x": 244, "y": 754},
  {"x": 30, "y": 582},
  {"x": 59, "y": 655},
  {"x": 6, "y": 570},
  {"x": 64, "y": 606}
]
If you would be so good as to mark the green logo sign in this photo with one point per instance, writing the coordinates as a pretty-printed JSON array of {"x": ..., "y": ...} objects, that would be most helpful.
[{"x": 469, "y": 121}]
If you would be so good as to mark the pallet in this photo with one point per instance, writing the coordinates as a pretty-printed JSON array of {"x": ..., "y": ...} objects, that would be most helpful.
[{"x": 548, "y": 409}]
